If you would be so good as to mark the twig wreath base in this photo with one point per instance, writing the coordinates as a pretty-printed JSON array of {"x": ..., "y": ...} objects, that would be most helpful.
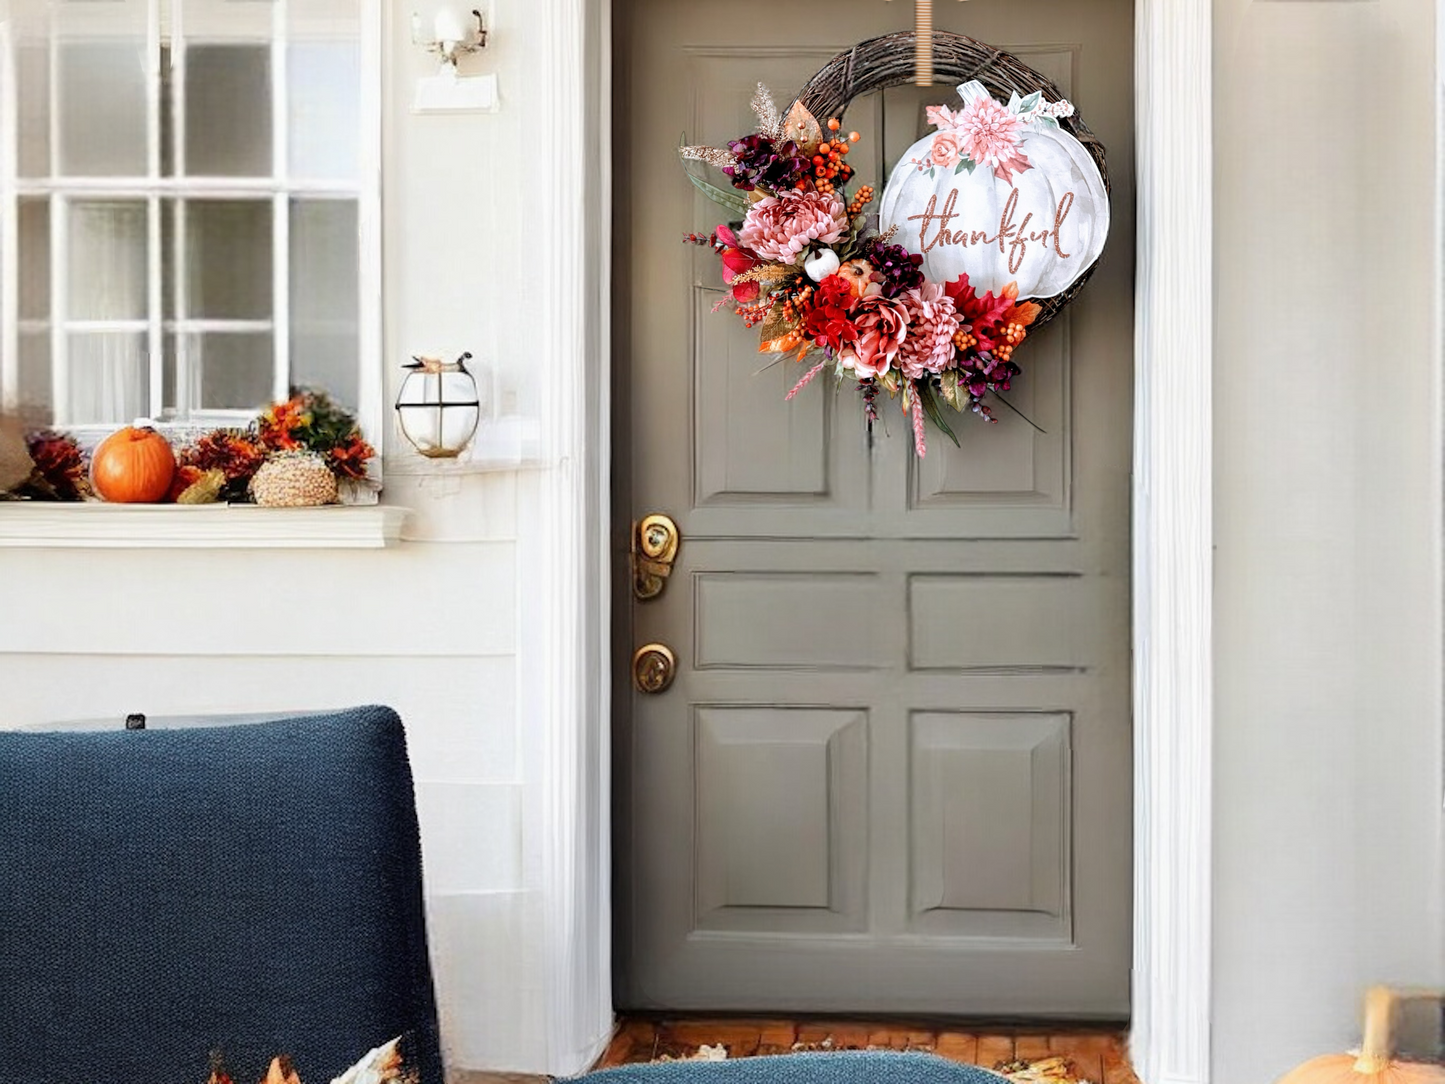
[{"x": 890, "y": 61}]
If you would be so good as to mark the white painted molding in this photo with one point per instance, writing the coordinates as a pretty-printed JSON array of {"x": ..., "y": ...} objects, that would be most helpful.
[
  {"x": 571, "y": 658},
  {"x": 95, "y": 525},
  {"x": 1173, "y": 534}
]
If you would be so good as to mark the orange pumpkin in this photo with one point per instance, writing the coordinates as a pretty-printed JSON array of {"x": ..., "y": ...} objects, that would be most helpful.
[{"x": 133, "y": 466}]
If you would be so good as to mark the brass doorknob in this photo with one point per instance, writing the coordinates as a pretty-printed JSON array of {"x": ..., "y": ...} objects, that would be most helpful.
[{"x": 653, "y": 668}]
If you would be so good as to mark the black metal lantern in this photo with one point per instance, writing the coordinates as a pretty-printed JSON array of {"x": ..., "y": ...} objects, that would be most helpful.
[{"x": 437, "y": 407}]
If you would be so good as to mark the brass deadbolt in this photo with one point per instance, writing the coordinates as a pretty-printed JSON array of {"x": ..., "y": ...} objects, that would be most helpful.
[{"x": 653, "y": 668}]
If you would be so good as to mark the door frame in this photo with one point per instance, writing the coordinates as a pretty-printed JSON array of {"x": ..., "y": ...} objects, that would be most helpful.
[{"x": 571, "y": 545}]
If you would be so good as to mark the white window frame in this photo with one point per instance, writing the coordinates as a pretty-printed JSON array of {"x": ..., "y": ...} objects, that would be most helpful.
[{"x": 154, "y": 190}]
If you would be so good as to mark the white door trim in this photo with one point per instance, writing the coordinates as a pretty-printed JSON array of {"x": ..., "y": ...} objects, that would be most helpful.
[
  {"x": 1173, "y": 535},
  {"x": 1172, "y": 583}
]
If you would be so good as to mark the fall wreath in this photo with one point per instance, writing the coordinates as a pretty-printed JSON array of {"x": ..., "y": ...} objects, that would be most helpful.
[{"x": 986, "y": 228}]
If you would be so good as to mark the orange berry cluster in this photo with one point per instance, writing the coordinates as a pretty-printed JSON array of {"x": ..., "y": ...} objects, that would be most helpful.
[
  {"x": 755, "y": 313},
  {"x": 964, "y": 341},
  {"x": 861, "y": 200},
  {"x": 1013, "y": 334},
  {"x": 793, "y": 306},
  {"x": 828, "y": 164}
]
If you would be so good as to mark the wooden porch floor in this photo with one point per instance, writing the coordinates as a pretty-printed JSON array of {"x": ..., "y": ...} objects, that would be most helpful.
[{"x": 1097, "y": 1055}]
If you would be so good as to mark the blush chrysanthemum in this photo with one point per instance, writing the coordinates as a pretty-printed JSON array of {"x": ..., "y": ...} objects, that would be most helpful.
[{"x": 781, "y": 228}]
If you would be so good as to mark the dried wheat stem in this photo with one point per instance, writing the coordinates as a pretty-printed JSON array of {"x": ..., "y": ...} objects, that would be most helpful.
[{"x": 807, "y": 378}]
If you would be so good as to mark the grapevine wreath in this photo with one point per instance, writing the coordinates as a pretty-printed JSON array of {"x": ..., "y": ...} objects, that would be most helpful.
[{"x": 986, "y": 229}]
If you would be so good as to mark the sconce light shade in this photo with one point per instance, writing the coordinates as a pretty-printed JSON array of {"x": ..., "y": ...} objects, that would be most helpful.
[{"x": 437, "y": 406}]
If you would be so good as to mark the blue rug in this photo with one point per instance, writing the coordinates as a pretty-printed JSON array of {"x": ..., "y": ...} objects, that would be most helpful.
[{"x": 843, "y": 1067}]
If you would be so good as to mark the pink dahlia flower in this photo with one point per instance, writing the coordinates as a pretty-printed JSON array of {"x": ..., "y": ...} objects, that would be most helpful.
[
  {"x": 782, "y": 227},
  {"x": 882, "y": 328},
  {"x": 990, "y": 135},
  {"x": 932, "y": 323}
]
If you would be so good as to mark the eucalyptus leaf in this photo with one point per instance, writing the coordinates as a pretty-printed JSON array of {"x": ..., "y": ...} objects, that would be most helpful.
[
  {"x": 1048, "y": 122},
  {"x": 730, "y": 201},
  {"x": 931, "y": 411},
  {"x": 1029, "y": 102}
]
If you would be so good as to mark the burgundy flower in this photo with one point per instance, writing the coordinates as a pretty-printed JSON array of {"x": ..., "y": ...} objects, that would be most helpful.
[
  {"x": 761, "y": 163},
  {"x": 898, "y": 266}
]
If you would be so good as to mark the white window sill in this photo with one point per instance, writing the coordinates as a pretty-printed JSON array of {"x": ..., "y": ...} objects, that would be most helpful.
[{"x": 46, "y": 525}]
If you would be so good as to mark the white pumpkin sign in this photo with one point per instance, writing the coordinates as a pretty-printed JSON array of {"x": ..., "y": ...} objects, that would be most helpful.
[{"x": 1000, "y": 193}]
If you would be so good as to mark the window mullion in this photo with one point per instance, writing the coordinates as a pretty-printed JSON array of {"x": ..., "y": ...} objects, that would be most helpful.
[
  {"x": 281, "y": 204},
  {"x": 371, "y": 389},
  {"x": 60, "y": 309},
  {"x": 155, "y": 343},
  {"x": 180, "y": 272},
  {"x": 59, "y": 244},
  {"x": 9, "y": 227}
]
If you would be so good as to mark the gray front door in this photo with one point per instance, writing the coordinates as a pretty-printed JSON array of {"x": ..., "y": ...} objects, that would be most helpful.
[{"x": 893, "y": 772}]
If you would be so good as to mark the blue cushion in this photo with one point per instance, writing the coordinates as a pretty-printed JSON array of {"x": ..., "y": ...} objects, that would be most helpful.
[{"x": 249, "y": 889}]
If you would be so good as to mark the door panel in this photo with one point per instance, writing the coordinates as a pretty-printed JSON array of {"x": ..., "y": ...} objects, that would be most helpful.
[{"x": 892, "y": 774}]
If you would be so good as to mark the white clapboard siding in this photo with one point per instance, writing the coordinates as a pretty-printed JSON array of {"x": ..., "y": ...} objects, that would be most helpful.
[
  {"x": 460, "y": 713},
  {"x": 413, "y": 599},
  {"x": 471, "y": 836}
]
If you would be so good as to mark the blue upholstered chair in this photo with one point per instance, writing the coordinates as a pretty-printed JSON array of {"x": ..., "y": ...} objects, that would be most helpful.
[{"x": 248, "y": 890}]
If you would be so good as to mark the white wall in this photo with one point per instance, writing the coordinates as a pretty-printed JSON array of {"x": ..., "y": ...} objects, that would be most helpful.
[
  {"x": 1328, "y": 862},
  {"x": 431, "y": 627}
]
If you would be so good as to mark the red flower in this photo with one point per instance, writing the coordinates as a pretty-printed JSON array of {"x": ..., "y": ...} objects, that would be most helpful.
[
  {"x": 735, "y": 261},
  {"x": 829, "y": 320},
  {"x": 349, "y": 460},
  {"x": 279, "y": 425}
]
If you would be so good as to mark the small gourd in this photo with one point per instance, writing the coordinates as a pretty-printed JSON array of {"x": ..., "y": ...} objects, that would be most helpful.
[
  {"x": 294, "y": 480},
  {"x": 134, "y": 465}
]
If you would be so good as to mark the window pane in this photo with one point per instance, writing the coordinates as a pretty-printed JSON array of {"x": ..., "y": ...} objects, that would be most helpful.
[
  {"x": 230, "y": 371},
  {"x": 34, "y": 259},
  {"x": 101, "y": 85},
  {"x": 32, "y": 83},
  {"x": 107, "y": 260},
  {"x": 325, "y": 109},
  {"x": 35, "y": 373},
  {"x": 228, "y": 110},
  {"x": 228, "y": 260},
  {"x": 325, "y": 306},
  {"x": 107, "y": 378}
]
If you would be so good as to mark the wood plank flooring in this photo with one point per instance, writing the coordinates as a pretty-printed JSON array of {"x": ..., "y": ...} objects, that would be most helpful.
[{"x": 1095, "y": 1055}]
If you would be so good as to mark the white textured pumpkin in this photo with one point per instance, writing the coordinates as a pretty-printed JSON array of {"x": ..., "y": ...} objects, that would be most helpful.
[
  {"x": 1043, "y": 226},
  {"x": 294, "y": 480}
]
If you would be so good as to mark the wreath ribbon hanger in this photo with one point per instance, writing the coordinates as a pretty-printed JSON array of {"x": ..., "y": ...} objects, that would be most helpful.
[{"x": 923, "y": 47}]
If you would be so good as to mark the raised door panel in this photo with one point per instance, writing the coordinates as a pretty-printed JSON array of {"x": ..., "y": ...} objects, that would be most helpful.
[
  {"x": 781, "y": 819},
  {"x": 990, "y": 825}
]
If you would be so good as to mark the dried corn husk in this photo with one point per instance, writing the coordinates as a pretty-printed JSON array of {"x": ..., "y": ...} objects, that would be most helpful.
[
  {"x": 281, "y": 1072},
  {"x": 380, "y": 1066}
]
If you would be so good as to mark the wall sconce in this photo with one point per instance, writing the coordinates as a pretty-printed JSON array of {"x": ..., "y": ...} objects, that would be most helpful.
[
  {"x": 438, "y": 407},
  {"x": 452, "y": 34}
]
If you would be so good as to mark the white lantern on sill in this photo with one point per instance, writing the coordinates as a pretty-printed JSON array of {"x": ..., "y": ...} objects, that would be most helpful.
[{"x": 438, "y": 408}]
